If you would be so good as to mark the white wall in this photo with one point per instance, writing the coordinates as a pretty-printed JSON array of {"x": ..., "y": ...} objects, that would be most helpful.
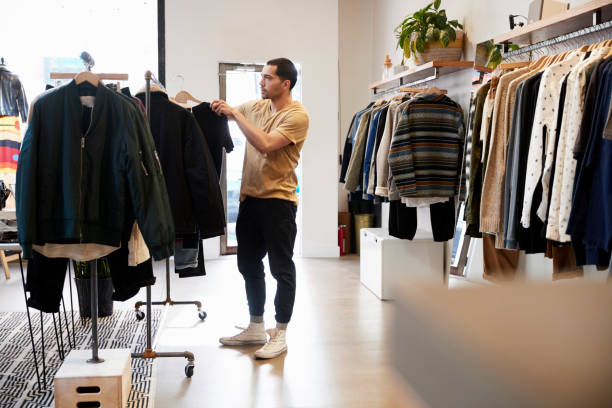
[
  {"x": 356, "y": 37},
  {"x": 482, "y": 20},
  {"x": 201, "y": 34}
]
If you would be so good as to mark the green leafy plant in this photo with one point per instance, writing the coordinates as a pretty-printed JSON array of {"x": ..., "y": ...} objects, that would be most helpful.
[
  {"x": 82, "y": 269},
  {"x": 431, "y": 24},
  {"x": 495, "y": 53}
]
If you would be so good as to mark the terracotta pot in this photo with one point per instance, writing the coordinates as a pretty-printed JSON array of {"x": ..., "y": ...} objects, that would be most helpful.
[{"x": 435, "y": 50}]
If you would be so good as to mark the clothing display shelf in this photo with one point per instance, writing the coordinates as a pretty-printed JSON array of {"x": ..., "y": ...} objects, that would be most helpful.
[
  {"x": 573, "y": 40},
  {"x": 424, "y": 73},
  {"x": 584, "y": 25},
  {"x": 590, "y": 14}
]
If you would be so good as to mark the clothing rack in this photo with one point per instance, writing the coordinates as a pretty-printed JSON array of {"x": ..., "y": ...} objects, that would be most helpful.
[
  {"x": 581, "y": 37},
  {"x": 140, "y": 315},
  {"x": 149, "y": 352},
  {"x": 397, "y": 90},
  {"x": 566, "y": 42}
]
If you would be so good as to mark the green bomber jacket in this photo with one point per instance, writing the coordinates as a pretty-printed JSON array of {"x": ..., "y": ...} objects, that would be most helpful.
[{"x": 84, "y": 175}]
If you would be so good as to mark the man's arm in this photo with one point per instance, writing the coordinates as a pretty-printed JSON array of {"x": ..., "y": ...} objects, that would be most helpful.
[{"x": 262, "y": 141}]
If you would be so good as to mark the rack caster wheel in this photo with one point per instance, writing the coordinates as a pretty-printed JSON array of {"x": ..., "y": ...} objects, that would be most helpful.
[
  {"x": 202, "y": 314},
  {"x": 189, "y": 370},
  {"x": 140, "y": 315}
]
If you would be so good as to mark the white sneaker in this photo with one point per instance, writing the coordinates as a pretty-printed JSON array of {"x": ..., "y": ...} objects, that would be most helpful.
[
  {"x": 252, "y": 335},
  {"x": 275, "y": 347}
]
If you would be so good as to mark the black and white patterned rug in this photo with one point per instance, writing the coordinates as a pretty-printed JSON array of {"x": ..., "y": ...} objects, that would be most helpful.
[{"x": 18, "y": 385}]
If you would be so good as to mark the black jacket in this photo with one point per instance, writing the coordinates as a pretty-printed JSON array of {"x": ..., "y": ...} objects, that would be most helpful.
[
  {"x": 13, "y": 101},
  {"x": 84, "y": 175},
  {"x": 191, "y": 178}
]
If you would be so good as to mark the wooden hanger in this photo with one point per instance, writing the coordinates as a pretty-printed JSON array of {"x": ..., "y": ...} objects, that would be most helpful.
[
  {"x": 432, "y": 90},
  {"x": 436, "y": 90},
  {"x": 380, "y": 102},
  {"x": 412, "y": 90},
  {"x": 87, "y": 76},
  {"x": 71, "y": 75},
  {"x": 184, "y": 97},
  {"x": 557, "y": 58},
  {"x": 513, "y": 65},
  {"x": 541, "y": 63}
]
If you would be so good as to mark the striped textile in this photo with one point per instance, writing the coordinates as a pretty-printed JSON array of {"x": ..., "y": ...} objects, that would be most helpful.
[
  {"x": 18, "y": 386},
  {"x": 427, "y": 146},
  {"x": 10, "y": 143}
]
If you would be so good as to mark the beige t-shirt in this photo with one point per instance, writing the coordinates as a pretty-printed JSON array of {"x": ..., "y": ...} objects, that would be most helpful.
[{"x": 272, "y": 175}]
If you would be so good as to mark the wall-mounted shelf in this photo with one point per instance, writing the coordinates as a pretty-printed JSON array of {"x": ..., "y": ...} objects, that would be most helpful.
[
  {"x": 586, "y": 15},
  {"x": 482, "y": 68},
  {"x": 423, "y": 73}
]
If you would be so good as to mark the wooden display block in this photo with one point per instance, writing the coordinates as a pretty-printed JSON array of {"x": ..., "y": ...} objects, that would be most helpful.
[{"x": 107, "y": 384}]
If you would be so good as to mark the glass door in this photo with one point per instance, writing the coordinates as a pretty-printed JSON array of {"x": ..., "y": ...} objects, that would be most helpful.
[{"x": 238, "y": 83}]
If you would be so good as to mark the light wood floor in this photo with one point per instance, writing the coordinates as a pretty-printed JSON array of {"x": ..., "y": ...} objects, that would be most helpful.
[
  {"x": 339, "y": 351},
  {"x": 338, "y": 344}
]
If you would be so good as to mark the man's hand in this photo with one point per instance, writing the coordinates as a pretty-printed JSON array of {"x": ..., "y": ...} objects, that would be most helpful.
[{"x": 222, "y": 108}]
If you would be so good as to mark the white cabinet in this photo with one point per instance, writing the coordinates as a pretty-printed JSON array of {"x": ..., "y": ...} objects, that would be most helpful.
[{"x": 387, "y": 261}]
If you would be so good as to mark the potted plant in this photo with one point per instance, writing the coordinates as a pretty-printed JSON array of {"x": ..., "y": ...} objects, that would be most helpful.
[
  {"x": 492, "y": 52},
  {"x": 428, "y": 35},
  {"x": 83, "y": 285}
]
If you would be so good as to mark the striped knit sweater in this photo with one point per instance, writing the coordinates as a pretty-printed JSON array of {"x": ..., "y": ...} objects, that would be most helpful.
[{"x": 426, "y": 148}]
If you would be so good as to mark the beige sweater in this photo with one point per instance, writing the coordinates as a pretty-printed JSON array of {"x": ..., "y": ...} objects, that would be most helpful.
[{"x": 492, "y": 205}]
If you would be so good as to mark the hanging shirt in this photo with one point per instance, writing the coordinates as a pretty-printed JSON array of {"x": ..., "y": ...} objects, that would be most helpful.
[
  {"x": 216, "y": 131},
  {"x": 382, "y": 121},
  {"x": 591, "y": 214},
  {"x": 370, "y": 146},
  {"x": 565, "y": 169},
  {"x": 520, "y": 138},
  {"x": 543, "y": 134},
  {"x": 382, "y": 164},
  {"x": 382, "y": 158},
  {"x": 350, "y": 142},
  {"x": 472, "y": 205},
  {"x": 356, "y": 161}
]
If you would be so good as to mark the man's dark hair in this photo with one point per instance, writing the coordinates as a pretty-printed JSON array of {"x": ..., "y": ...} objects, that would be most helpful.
[{"x": 285, "y": 70}]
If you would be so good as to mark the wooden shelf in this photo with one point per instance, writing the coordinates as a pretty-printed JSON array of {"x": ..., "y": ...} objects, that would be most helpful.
[
  {"x": 422, "y": 72},
  {"x": 482, "y": 68},
  {"x": 569, "y": 21}
]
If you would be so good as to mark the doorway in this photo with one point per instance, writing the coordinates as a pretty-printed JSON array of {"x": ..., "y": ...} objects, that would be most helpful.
[{"x": 239, "y": 83}]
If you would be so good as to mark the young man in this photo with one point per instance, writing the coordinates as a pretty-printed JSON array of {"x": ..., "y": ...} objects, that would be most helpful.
[{"x": 275, "y": 128}]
